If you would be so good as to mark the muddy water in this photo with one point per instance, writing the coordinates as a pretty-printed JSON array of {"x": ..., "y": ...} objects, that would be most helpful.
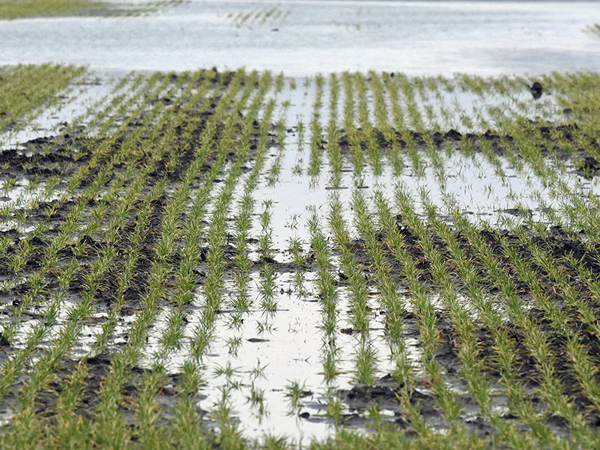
[{"x": 306, "y": 37}]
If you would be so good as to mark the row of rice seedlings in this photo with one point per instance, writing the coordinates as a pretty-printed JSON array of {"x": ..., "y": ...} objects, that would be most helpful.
[
  {"x": 384, "y": 126},
  {"x": 297, "y": 169},
  {"x": 23, "y": 89},
  {"x": 258, "y": 17},
  {"x": 535, "y": 338},
  {"x": 366, "y": 357},
  {"x": 107, "y": 415},
  {"x": 364, "y": 120},
  {"x": 401, "y": 125},
  {"x": 268, "y": 274},
  {"x": 316, "y": 130},
  {"x": 275, "y": 169},
  {"x": 333, "y": 132},
  {"x": 352, "y": 133},
  {"x": 329, "y": 298},
  {"x": 243, "y": 221},
  {"x": 421, "y": 300},
  {"x": 221, "y": 206},
  {"x": 44, "y": 369}
]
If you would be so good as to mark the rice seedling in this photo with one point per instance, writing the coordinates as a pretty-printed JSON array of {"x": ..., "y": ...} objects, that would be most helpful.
[
  {"x": 333, "y": 138},
  {"x": 316, "y": 132}
]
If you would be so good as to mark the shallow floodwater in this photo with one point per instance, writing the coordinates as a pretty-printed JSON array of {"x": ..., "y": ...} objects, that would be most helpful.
[{"x": 306, "y": 37}]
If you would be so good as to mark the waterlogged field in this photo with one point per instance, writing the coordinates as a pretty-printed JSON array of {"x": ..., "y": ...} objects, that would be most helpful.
[{"x": 241, "y": 259}]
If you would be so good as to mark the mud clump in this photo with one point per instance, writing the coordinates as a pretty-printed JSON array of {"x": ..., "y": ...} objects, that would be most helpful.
[
  {"x": 536, "y": 90},
  {"x": 588, "y": 168}
]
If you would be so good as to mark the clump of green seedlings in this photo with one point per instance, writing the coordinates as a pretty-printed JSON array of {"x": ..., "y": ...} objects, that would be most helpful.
[
  {"x": 316, "y": 130},
  {"x": 272, "y": 16},
  {"x": 268, "y": 275},
  {"x": 593, "y": 29}
]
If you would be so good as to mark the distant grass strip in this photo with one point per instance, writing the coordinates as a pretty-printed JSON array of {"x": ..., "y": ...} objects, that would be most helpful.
[{"x": 14, "y": 9}]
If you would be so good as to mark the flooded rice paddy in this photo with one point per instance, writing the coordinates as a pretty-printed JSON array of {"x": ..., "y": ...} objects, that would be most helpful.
[
  {"x": 251, "y": 257},
  {"x": 365, "y": 250}
]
